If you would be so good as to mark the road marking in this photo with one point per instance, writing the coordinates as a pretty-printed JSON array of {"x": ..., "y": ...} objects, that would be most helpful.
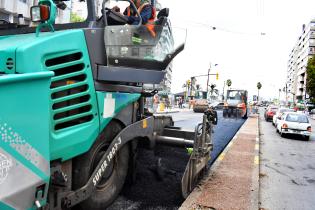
[
  {"x": 230, "y": 144},
  {"x": 221, "y": 157},
  {"x": 256, "y": 160}
]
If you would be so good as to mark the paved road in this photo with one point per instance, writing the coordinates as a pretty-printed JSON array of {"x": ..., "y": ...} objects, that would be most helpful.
[
  {"x": 287, "y": 170},
  {"x": 223, "y": 132},
  {"x": 148, "y": 192}
]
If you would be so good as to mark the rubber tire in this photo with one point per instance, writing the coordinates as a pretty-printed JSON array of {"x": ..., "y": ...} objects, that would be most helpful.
[
  {"x": 224, "y": 113},
  {"x": 82, "y": 170}
]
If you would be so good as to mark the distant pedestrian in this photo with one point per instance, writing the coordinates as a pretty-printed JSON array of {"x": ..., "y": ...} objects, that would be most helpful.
[
  {"x": 167, "y": 103},
  {"x": 180, "y": 103},
  {"x": 155, "y": 103}
]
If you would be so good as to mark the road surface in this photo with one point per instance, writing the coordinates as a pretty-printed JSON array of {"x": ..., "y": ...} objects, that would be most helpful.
[
  {"x": 148, "y": 192},
  {"x": 223, "y": 132},
  {"x": 287, "y": 170}
]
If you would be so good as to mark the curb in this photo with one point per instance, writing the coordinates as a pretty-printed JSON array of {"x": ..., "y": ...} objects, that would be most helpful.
[
  {"x": 255, "y": 178},
  {"x": 188, "y": 205}
]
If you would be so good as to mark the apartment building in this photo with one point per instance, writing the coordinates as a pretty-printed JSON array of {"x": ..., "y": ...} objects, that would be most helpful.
[
  {"x": 296, "y": 72},
  {"x": 11, "y": 9}
]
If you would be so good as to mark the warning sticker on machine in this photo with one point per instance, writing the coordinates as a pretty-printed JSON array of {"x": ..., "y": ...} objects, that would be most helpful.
[
  {"x": 109, "y": 106},
  {"x": 5, "y": 165}
]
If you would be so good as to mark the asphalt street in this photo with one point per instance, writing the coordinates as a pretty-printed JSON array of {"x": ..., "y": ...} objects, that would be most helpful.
[
  {"x": 223, "y": 131},
  {"x": 287, "y": 170},
  {"x": 148, "y": 192}
]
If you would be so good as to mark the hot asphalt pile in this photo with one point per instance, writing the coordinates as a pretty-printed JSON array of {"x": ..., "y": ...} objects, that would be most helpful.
[{"x": 158, "y": 183}]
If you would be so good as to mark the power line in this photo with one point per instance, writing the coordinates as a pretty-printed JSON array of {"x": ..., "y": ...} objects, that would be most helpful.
[{"x": 205, "y": 25}]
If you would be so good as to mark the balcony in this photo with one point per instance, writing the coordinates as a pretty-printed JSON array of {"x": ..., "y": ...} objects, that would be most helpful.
[
  {"x": 300, "y": 87},
  {"x": 16, "y": 7},
  {"x": 8, "y": 5}
]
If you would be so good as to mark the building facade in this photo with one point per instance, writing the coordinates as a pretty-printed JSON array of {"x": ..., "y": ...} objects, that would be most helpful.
[
  {"x": 11, "y": 9},
  {"x": 303, "y": 50}
]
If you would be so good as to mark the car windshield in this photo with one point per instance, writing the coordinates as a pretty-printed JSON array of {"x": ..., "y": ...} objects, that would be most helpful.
[
  {"x": 297, "y": 118},
  {"x": 235, "y": 95}
]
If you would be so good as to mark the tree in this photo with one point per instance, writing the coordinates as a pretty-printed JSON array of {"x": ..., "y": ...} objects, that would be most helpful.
[
  {"x": 229, "y": 83},
  {"x": 213, "y": 90},
  {"x": 310, "y": 78},
  {"x": 258, "y": 87},
  {"x": 75, "y": 18}
]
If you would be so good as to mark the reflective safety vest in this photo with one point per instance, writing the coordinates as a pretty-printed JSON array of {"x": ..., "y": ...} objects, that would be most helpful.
[{"x": 150, "y": 24}]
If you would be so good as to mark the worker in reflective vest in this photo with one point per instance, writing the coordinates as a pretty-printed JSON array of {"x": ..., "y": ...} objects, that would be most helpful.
[{"x": 146, "y": 11}]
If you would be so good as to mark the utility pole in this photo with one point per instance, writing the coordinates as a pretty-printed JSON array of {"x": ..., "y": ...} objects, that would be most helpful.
[
  {"x": 286, "y": 94},
  {"x": 208, "y": 77},
  {"x": 223, "y": 91}
]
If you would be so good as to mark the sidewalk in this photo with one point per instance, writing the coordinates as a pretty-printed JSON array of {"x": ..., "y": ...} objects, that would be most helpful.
[{"x": 233, "y": 179}]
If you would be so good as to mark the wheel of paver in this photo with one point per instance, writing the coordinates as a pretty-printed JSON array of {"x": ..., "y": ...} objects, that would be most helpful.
[
  {"x": 224, "y": 113},
  {"x": 112, "y": 182},
  {"x": 235, "y": 113},
  {"x": 229, "y": 112}
]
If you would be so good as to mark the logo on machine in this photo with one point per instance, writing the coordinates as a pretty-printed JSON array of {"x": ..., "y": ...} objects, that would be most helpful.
[{"x": 5, "y": 165}]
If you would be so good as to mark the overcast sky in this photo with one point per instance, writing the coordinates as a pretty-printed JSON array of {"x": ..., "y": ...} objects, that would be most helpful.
[{"x": 237, "y": 46}]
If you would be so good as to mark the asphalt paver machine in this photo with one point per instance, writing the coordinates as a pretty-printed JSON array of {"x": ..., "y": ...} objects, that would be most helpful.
[{"x": 72, "y": 108}]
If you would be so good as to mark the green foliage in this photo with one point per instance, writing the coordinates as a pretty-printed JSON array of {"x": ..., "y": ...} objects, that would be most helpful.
[
  {"x": 259, "y": 85},
  {"x": 75, "y": 18},
  {"x": 229, "y": 82},
  {"x": 310, "y": 79},
  {"x": 213, "y": 89}
]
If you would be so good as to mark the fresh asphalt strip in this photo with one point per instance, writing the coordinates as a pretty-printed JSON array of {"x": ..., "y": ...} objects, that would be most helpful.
[{"x": 161, "y": 188}]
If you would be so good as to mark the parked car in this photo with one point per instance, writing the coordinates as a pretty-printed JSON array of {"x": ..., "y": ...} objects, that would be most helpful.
[
  {"x": 279, "y": 113},
  {"x": 217, "y": 105},
  {"x": 270, "y": 112},
  {"x": 294, "y": 123}
]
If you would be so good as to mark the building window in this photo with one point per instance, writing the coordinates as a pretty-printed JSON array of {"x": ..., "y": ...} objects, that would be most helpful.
[{"x": 24, "y": 1}]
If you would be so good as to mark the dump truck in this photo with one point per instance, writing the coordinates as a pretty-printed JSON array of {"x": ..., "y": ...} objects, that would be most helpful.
[
  {"x": 235, "y": 104},
  {"x": 72, "y": 107}
]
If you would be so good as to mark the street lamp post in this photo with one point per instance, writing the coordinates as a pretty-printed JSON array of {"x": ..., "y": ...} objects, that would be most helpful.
[{"x": 208, "y": 77}]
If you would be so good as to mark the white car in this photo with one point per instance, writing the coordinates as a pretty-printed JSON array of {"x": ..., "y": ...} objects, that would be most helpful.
[
  {"x": 294, "y": 123},
  {"x": 279, "y": 113}
]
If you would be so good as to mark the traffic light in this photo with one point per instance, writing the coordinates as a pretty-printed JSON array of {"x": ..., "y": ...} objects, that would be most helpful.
[{"x": 217, "y": 76}]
